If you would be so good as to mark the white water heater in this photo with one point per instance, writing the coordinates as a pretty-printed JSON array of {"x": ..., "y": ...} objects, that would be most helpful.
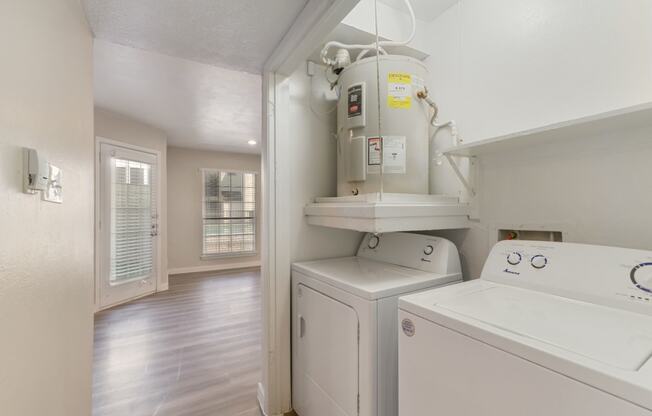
[{"x": 403, "y": 149}]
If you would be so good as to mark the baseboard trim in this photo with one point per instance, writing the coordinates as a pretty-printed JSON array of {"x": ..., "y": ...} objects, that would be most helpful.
[
  {"x": 122, "y": 302},
  {"x": 214, "y": 268},
  {"x": 260, "y": 395}
]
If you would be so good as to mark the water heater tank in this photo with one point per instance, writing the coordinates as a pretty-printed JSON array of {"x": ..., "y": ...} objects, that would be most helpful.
[{"x": 404, "y": 147}]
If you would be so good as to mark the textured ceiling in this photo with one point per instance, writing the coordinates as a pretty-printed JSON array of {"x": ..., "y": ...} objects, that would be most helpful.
[
  {"x": 238, "y": 34},
  {"x": 197, "y": 105},
  {"x": 424, "y": 9}
]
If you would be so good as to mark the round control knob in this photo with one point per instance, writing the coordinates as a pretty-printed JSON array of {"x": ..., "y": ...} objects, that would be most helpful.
[
  {"x": 514, "y": 258},
  {"x": 539, "y": 261},
  {"x": 428, "y": 250},
  {"x": 374, "y": 240},
  {"x": 641, "y": 276}
]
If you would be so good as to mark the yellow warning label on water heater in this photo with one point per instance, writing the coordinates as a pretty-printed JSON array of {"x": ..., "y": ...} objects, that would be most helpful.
[{"x": 399, "y": 90}]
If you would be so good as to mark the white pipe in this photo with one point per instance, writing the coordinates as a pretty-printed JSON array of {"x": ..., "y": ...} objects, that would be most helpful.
[
  {"x": 366, "y": 51},
  {"x": 451, "y": 124},
  {"x": 433, "y": 121},
  {"x": 413, "y": 20}
]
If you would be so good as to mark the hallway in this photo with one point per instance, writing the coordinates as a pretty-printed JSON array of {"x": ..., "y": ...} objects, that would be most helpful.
[{"x": 193, "y": 350}]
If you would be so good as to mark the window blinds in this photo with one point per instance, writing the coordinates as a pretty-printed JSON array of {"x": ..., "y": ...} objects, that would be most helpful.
[
  {"x": 229, "y": 213},
  {"x": 133, "y": 216}
]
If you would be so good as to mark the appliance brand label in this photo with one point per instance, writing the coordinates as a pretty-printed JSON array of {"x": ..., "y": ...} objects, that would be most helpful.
[{"x": 408, "y": 327}]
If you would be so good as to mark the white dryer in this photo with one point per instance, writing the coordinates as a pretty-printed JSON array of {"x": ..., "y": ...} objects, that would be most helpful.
[
  {"x": 549, "y": 329},
  {"x": 344, "y": 322}
]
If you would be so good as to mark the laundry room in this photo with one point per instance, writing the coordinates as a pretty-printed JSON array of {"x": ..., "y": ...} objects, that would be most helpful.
[
  {"x": 413, "y": 125},
  {"x": 326, "y": 208},
  {"x": 573, "y": 80}
]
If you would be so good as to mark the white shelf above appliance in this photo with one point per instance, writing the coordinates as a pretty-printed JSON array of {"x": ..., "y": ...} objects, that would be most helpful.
[
  {"x": 633, "y": 117},
  {"x": 610, "y": 121},
  {"x": 392, "y": 213}
]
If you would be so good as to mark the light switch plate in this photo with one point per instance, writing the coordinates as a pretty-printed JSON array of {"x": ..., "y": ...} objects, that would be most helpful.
[{"x": 53, "y": 191}]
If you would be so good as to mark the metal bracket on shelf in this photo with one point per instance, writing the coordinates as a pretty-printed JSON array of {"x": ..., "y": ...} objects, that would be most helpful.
[{"x": 459, "y": 174}]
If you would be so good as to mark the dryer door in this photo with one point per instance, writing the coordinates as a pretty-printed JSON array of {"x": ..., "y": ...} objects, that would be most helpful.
[{"x": 327, "y": 356}]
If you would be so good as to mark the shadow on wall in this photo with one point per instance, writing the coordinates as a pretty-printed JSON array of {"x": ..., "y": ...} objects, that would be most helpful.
[{"x": 13, "y": 166}]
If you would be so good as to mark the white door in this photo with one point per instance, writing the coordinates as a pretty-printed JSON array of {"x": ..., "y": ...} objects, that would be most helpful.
[
  {"x": 327, "y": 344},
  {"x": 128, "y": 224}
]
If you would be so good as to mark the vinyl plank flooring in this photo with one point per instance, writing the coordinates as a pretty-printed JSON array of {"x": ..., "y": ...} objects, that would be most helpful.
[{"x": 194, "y": 350}]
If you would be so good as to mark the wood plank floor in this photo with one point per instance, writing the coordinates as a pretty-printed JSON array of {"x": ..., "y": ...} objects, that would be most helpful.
[{"x": 194, "y": 350}]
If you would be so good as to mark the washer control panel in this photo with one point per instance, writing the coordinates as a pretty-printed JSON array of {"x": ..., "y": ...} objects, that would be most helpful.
[
  {"x": 607, "y": 275},
  {"x": 539, "y": 261},
  {"x": 641, "y": 277},
  {"x": 514, "y": 258}
]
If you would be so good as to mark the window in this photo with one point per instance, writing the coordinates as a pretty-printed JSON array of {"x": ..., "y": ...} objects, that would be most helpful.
[
  {"x": 228, "y": 213},
  {"x": 132, "y": 214}
]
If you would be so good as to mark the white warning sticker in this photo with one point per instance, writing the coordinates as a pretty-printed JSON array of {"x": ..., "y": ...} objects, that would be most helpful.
[
  {"x": 393, "y": 151},
  {"x": 374, "y": 150},
  {"x": 394, "y": 154}
]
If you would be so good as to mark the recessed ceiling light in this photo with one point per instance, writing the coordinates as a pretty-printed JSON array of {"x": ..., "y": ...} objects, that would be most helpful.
[{"x": 252, "y": 142}]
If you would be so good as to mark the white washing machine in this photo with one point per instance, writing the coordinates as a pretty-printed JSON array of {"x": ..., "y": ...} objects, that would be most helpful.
[
  {"x": 549, "y": 329},
  {"x": 344, "y": 326}
]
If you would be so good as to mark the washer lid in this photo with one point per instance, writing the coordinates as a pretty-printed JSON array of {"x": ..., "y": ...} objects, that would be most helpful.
[
  {"x": 604, "y": 347},
  {"x": 371, "y": 279},
  {"x": 611, "y": 336}
]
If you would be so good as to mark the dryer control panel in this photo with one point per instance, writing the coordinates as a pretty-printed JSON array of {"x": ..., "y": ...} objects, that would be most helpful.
[
  {"x": 416, "y": 251},
  {"x": 607, "y": 275}
]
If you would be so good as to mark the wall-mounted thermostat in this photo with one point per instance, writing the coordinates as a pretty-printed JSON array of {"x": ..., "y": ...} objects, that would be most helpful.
[
  {"x": 39, "y": 175},
  {"x": 36, "y": 172}
]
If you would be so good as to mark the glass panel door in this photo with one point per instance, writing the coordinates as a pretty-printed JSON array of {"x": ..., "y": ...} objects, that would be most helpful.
[
  {"x": 131, "y": 220},
  {"x": 129, "y": 223}
]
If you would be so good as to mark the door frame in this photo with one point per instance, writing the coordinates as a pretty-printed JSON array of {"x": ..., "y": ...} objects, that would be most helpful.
[
  {"x": 317, "y": 19},
  {"x": 97, "y": 215}
]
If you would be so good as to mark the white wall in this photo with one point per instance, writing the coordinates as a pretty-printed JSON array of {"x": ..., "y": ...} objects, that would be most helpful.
[
  {"x": 304, "y": 156},
  {"x": 508, "y": 65},
  {"x": 118, "y": 127},
  {"x": 312, "y": 163},
  {"x": 393, "y": 23},
  {"x": 46, "y": 250},
  {"x": 592, "y": 188},
  {"x": 185, "y": 210},
  {"x": 528, "y": 63}
]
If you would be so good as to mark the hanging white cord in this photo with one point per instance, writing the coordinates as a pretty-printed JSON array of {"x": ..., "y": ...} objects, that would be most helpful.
[
  {"x": 377, "y": 46},
  {"x": 380, "y": 134}
]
